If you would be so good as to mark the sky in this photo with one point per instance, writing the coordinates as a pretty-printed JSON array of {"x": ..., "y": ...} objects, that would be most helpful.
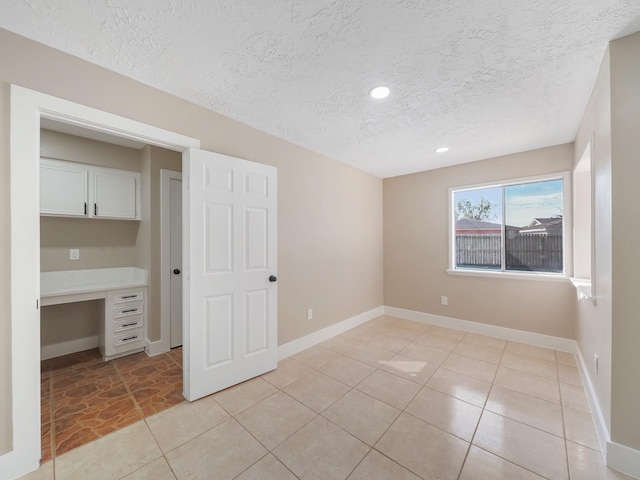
[{"x": 524, "y": 202}]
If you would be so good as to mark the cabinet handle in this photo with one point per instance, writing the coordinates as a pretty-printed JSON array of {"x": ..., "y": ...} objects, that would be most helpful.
[
  {"x": 130, "y": 310},
  {"x": 124, "y": 325},
  {"x": 129, "y": 296},
  {"x": 126, "y": 339},
  {"x": 95, "y": 209},
  {"x": 85, "y": 208}
]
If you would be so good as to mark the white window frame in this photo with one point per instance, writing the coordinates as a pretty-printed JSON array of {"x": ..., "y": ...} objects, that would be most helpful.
[{"x": 567, "y": 229}]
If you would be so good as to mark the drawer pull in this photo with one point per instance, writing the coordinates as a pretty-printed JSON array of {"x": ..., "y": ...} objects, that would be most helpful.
[
  {"x": 125, "y": 325},
  {"x": 131, "y": 310},
  {"x": 126, "y": 339},
  {"x": 124, "y": 297}
]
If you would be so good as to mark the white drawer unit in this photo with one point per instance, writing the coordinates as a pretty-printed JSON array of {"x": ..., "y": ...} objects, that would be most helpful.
[
  {"x": 128, "y": 297},
  {"x": 128, "y": 310},
  {"x": 125, "y": 322}
]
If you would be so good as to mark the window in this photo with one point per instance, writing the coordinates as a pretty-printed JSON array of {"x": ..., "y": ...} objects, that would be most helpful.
[{"x": 511, "y": 227}]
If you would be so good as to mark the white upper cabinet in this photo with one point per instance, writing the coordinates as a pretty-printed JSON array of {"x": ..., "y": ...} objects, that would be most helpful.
[
  {"x": 63, "y": 188},
  {"x": 71, "y": 189},
  {"x": 114, "y": 194}
]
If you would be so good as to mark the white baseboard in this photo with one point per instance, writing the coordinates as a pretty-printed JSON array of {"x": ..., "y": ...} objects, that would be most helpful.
[
  {"x": 623, "y": 459},
  {"x": 531, "y": 338},
  {"x": 615, "y": 455},
  {"x": 155, "y": 348},
  {"x": 602, "y": 431},
  {"x": 295, "y": 346},
  {"x": 70, "y": 346},
  {"x": 6, "y": 466}
]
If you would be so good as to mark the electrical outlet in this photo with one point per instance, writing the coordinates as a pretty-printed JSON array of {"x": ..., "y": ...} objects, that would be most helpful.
[
  {"x": 74, "y": 254},
  {"x": 596, "y": 361},
  {"x": 310, "y": 314},
  {"x": 444, "y": 300}
]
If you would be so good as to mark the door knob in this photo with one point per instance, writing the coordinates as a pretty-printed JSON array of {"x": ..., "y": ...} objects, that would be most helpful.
[
  {"x": 176, "y": 271},
  {"x": 273, "y": 278}
]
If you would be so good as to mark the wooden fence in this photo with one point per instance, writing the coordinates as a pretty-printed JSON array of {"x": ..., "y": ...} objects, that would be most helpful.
[{"x": 523, "y": 252}]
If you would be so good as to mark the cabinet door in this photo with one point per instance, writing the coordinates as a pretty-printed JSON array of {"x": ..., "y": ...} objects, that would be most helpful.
[
  {"x": 114, "y": 194},
  {"x": 63, "y": 188}
]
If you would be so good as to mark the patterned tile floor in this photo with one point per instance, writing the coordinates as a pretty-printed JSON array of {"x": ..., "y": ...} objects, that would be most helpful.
[{"x": 84, "y": 398}]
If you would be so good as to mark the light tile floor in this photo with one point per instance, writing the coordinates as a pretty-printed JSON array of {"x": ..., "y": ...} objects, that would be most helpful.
[{"x": 390, "y": 399}]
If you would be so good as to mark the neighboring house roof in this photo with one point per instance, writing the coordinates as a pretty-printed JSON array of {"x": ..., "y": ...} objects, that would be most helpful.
[
  {"x": 544, "y": 226},
  {"x": 469, "y": 226},
  {"x": 476, "y": 224}
]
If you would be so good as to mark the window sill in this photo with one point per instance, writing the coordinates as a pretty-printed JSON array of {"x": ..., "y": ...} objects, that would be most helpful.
[
  {"x": 547, "y": 277},
  {"x": 583, "y": 286}
]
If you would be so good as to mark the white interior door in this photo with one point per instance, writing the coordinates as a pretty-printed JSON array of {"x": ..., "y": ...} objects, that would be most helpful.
[
  {"x": 175, "y": 254},
  {"x": 230, "y": 251}
]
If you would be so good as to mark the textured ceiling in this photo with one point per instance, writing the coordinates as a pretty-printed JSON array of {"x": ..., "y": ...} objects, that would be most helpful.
[{"x": 484, "y": 77}]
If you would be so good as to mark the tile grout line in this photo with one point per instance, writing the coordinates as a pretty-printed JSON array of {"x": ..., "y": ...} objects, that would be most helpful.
[
  {"x": 484, "y": 405},
  {"x": 564, "y": 426},
  {"x": 351, "y": 388},
  {"x": 531, "y": 426},
  {"x": 128, "y": 389},
  {"x": 52, "y": 431},
  {"x": 120, "y": 379},
  {"x": 401, "y": 411}
]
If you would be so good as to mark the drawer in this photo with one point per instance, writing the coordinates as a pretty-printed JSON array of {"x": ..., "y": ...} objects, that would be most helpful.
[
  {"x": 133, "y": 296},
  {"x": 128, "y": 310},
  {"x": 127, "y": 324},
  {"x": 128, "y": 338}
]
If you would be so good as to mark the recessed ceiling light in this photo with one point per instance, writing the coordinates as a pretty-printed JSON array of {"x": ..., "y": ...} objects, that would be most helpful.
[
  {"x": 380, "y": 92},
  {"x": 442, "y": 149}
]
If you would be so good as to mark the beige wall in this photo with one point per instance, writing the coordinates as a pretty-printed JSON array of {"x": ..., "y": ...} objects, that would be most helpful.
[
  {"x": 593, "y": 319},
  {"x": 625, "y": 176},
  {"x": 70, "y": 321},
  {"x": 85, "y": 150},
  {"x": 329, "y": 215},
  {"x": 102, "y": 243},
  {"x": 416, "y": 250}
]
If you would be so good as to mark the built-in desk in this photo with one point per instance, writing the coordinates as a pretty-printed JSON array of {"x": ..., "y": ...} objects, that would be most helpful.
[{"x": 124, "y": 291}]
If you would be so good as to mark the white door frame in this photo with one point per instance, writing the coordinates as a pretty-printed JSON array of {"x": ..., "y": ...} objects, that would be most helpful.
[
  {"x": 26, "y": 109},
  {"x": 165, "y": 259}
]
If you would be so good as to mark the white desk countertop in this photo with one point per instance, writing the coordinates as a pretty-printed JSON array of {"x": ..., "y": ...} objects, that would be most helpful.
[{"x": 55, "y": 286}]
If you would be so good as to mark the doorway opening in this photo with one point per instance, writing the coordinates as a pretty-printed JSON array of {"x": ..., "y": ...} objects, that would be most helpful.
[
  {"x": 171, "y": 257},
  {"x": 229, "y": 231},
  {"x": 82, "y": 398},
  {"x": 28, "y": 109}
]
